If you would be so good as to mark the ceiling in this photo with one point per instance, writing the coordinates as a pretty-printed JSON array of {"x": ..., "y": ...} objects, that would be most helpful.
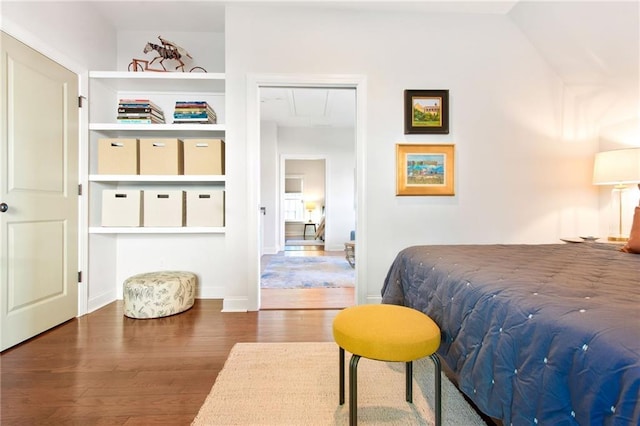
[
  {"x": 199, "y": 15},
  {"x": 308, "y": 107},
  {"x": 208, "y": 15}
]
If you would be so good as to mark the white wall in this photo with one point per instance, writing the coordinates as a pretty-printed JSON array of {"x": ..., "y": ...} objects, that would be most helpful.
[
  {"x": 600, "y": 75},
  {"x": 338, "y": 147},
  {"x": 517, "y": 179},
  {"x": 601, "y": 72},
  {"x": 77, "y": 38}
]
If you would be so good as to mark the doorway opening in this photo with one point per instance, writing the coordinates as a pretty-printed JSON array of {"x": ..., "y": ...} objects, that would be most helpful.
[
  {"x": 258, "y": 152},
  {"x": 302, "y": 203},
  {"x": 308, "y": 135}
]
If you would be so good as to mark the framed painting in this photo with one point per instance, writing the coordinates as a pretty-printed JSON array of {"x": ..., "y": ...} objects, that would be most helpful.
[
  {"x": 426, "y": 111},
  {"x": 424, "y": 169}
]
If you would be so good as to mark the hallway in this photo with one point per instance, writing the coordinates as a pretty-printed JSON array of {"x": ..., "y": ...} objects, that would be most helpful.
[{"x": 307, "y": 298}]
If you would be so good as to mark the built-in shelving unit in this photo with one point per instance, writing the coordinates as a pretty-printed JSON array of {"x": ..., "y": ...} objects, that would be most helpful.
[
  {"x": 163, "y": 88},
  {"x": 117, "y": 252}
]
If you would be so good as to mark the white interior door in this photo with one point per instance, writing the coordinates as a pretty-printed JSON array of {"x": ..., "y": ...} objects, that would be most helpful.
[{"x": 38, "y": 190}]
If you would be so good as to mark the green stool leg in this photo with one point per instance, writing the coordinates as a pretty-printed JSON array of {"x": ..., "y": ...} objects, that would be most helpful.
[
  {"x": 341, "y": 354},
  {"x": 353, "y": 386},
  {"x": 438, "y": 393},
  {"x": 353, "y": 390},
  {"x": 409, "y": 381}
]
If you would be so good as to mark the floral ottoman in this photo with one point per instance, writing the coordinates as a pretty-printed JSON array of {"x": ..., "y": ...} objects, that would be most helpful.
[{"x": 158, "y": 294}]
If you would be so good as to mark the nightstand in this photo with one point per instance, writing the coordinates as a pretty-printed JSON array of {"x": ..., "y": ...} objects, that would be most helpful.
[
  {"x": 350, "y": 253},
  {"x": 304, "y": 233}
]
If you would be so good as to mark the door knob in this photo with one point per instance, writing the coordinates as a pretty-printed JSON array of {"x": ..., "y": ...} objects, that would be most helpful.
[{"x": 3, "y": 207}]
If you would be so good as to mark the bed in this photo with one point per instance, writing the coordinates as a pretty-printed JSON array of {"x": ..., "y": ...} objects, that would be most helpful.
[{"x": 533, "y": 334}]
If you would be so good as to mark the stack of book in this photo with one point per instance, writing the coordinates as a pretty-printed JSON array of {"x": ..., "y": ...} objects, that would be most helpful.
[
  {"x": 194, "y": 112},
  {"x": 139, "y": 111}
]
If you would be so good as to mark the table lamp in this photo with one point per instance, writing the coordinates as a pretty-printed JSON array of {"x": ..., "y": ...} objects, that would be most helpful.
[
  {"x": 310, "y": 206},
  {"x": 619, "y": 168}
]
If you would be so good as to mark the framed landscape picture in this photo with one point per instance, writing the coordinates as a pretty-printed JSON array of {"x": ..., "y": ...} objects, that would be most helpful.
[
  {"x": 426, "y": 111},
  {"x": 424, "y": 169}
]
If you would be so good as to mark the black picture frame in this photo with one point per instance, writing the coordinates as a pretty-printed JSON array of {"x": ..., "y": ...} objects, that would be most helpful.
[{"x": 426, "y": 112}]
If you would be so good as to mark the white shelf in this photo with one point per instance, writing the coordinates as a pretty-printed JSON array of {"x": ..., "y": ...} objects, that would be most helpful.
[
  {"x": 157, "y": 178},
  {"x": 152, "y": 75},
  {"x": 159, "y": 81},
  {"x": 156, "y": 230},
  {"x": 121, "y": 127}
]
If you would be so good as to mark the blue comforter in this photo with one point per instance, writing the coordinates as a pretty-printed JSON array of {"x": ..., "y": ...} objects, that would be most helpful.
[{"x": 534, "y": 334}]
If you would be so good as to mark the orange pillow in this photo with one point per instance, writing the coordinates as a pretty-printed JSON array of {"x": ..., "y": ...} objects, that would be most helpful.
[{"x": 633, "y": 244}]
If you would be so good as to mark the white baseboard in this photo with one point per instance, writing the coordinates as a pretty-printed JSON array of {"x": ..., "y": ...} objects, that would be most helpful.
[
  {"x": 235, "y": 304},
  {"x": 374, "y": 299},
  {"x": 102, "y": 300},
  {"x": 270, "y": 250}
]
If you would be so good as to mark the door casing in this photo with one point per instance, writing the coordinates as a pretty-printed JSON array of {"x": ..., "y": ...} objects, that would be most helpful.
[{"x": 254, "y": 83}]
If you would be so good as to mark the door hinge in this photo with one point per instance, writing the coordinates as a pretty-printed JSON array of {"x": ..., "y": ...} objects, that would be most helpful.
[
  {"x": 79, "y": 276},
  {"x": 80, "y": 98},
  {"x": 80, "y": 189}
]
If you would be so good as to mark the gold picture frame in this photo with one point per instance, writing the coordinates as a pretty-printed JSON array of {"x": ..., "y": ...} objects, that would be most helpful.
[{"x": 425, "y": 169}]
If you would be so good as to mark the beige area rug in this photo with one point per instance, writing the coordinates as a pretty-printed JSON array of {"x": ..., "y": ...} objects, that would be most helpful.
[{"x": 297, "y": 384}]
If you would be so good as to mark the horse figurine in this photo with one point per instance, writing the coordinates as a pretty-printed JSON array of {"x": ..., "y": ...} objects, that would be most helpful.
[{"x": 167, "y": 50}]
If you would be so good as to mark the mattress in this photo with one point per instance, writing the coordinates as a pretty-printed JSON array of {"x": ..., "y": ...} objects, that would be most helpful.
[{"x": 534, "y": 334}]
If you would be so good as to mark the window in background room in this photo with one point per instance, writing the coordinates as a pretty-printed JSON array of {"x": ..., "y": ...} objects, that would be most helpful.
[
  {"x": 293, "y": 207},
  {"x": 293, "y": 202}
]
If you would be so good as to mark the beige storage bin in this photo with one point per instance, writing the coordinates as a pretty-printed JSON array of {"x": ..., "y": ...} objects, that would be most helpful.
[
  {"x": 203, "y": 157},
  {"x": 164, "y": 208},
  {"x": 161, "y": 156},
  {"x": 205, "y": 208},
  {"x": 118, "y": 156},
  {"x": 121, "y": 207}
]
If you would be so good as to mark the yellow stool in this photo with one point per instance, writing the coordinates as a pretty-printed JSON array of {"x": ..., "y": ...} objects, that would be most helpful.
[{"x": 386, "y": 333}]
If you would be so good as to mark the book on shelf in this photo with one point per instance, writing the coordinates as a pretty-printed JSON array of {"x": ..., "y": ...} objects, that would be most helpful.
[
  {"x": 183, "y": 104},
  {"x": 141, "y": 115},
  {"x": 139, "y": 111},
  {"x": 138, "y": 121},
  {"x": 194, "y": 112},
  {"x": 194, "y": 121},
  {"x": 181, "y": 115},
  {"x": 152, "y": 114},
  {"x": 134, "y": 109},
  {"x": 138, "y": 103}
]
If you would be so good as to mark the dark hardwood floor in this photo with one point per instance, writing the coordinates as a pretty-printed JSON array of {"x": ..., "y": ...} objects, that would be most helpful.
[{"x": 106, "y": 369}]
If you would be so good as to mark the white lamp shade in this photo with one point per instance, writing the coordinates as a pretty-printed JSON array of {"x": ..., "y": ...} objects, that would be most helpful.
[{"x": 620, "y": 166}]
